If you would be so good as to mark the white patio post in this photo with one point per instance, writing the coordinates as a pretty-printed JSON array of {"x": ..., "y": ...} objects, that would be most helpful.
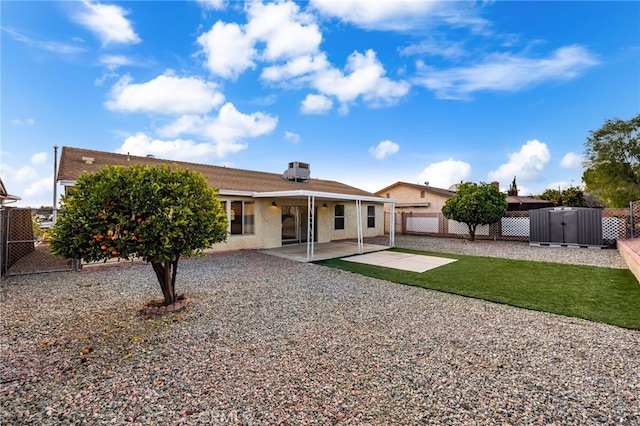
[
  {"x": 392, "y": 225},
  {"x": 310, "y": 226},
  {"x": 359, "y": 220}
]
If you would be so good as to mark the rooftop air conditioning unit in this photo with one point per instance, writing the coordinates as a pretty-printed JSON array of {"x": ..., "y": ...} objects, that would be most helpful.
[{"x": 297, "y": 172}]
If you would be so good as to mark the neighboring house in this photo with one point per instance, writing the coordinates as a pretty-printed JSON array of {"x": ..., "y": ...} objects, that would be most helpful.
[
  {"x": 265, "y": 210},
  {"x": 416, "y": 198}
]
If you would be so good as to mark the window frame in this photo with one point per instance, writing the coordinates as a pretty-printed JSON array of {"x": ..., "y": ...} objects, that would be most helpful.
[
  {"x": 371, "y": 216},
  {"x": 338, "y": 220},
  {"x": 245, "y": 223}
]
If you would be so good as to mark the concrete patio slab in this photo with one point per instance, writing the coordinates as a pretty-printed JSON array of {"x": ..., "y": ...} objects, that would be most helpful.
[
  {"x": 397, "y": 260},
  {"x": 322, "y": 251}
]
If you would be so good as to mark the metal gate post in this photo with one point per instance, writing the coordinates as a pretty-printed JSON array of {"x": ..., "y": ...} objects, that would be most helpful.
[
  {"x": 3, "y": 260},
  {"x": 631, "y": 225}
]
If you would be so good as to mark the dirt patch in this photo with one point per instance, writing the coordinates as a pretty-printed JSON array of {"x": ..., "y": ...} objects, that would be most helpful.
[{"x": 40, "y": 260}]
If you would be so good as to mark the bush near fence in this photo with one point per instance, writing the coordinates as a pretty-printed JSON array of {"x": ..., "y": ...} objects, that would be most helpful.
[{"x": 514, "y": 226}]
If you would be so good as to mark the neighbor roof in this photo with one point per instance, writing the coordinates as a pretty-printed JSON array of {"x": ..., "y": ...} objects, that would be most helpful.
[
  {"x": 511, "y": 199},
  {"x": 432, "y": 189},
  {"x": 75, "y": 161}
]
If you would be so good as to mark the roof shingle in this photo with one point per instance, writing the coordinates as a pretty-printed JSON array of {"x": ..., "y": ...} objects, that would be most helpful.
[{"x": 74, "y": 161}]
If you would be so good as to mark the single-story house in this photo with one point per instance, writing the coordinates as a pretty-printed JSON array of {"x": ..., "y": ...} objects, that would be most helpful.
[
  {"x": 265, "y": 210},
  {"x": 416, "y": 198}
]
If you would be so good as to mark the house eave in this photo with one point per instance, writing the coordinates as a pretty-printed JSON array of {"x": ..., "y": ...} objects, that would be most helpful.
[{"x": 324, "y": 195}]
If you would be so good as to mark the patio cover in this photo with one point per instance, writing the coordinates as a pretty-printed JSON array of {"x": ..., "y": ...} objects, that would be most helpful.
[{"x": 311, "y": 197}]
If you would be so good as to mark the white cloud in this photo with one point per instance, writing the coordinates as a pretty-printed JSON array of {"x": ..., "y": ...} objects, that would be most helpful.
[
  {"x": 24, "y": 174},
  {"x": 293, "y": 137},
  {"x": 384, "y": 149},
  {"x": 526, "y": 165},
  {"x": 445, "y": 173},
  {"x": 178, "y": 149},
  {"x": 571, "y": 160},
  {"x": 286, "y": 30},
  {"x": 505, "y": 72},
  {"x": 39, "y": 158},
  {"x": 113, "y": 62},
  {"x": 39, "y": 187},
  {"x": 295, "y": 68},
  {"x": 108, "y": 22},
  {"x": 165, "y": 94},
  {"x": 231, "y": 124},
  {"x": 380, "y": 14},
  {"x": 408, "y": 15},
  {"x": 24, "y": 122},
  {"x": 364, "y": 77},
  {"x": 51, "y": 46},
  {"x": 287, "y": 41},
  {"x": 225, "y": 132},
  {"x": 27, "y": 183},
  {"x": 316, "y": 104},
  {"x": 228, "y": 50},
  {"x": 432, "y": 47},
  {"x": 212, "y": 4}
]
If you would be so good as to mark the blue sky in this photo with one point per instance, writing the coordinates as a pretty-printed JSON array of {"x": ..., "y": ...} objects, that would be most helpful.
[{"x": 367, "y": 92}]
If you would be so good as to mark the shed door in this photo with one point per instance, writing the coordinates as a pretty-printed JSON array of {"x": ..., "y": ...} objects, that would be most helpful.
[{"x": 563, "y": 226}]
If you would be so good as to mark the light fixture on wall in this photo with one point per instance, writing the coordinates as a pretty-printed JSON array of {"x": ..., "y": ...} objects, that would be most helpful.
[
  {"x": 273, "y": 203},
  {"x": 324, "y": 205}
]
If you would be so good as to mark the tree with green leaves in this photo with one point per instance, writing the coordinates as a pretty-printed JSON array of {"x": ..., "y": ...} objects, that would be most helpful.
[
  {"x": 476, "y": 204},
  {"x": 154, "y": 213},
  {"x": 613, "y": 162},
  {"x": 572, "y": 196}
]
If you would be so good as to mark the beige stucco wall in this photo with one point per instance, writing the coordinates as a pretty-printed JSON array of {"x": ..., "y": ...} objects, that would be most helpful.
[
  {"x": 268, "y": 227},
  {"x": 351, "y": 226},
  {"x": 404, "y": 194}
]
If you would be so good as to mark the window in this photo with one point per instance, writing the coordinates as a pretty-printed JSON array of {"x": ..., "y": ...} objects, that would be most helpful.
[
  {"x": 242, "y": 218},
  {"x": 371, "y": 216},
  {"x": 421, "y": 194},
  {"x": 338, "y": 216}
]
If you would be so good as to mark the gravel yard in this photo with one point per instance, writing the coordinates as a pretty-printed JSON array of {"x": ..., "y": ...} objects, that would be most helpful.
[{"x": 267, "y": 340}]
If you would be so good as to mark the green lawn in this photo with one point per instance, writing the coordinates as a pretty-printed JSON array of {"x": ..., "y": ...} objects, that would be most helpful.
[{"x": 605, "y": 295}]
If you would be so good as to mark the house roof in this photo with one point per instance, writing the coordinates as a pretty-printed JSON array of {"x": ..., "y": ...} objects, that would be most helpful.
[
  {"x": 75, "y": 161},
  {"x": 432, "y": 189},
  {"x": 511, "y": 199}
]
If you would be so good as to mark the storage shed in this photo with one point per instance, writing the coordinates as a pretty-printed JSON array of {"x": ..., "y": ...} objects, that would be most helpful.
[{"x": 566, "y": 226}]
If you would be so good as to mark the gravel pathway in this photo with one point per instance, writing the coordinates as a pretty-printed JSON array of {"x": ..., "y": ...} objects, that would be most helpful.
[
  {"x": 609, "y": 258},
  {"x": 266, "y": 340}
]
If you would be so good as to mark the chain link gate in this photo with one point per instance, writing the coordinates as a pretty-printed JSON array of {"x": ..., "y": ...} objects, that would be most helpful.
[
  {"x": 634, "y": 219},
  {"x": 24, "y": 242}
]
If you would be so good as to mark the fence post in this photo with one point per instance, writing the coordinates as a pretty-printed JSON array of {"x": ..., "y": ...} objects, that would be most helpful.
[{"x": 631, "y": 224}]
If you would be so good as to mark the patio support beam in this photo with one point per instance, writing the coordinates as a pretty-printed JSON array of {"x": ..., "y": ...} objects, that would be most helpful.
[
  {"x": 359, "y": 226},
  {"x": 310, "y": 226},
  {"x": 392, "y": 225}
]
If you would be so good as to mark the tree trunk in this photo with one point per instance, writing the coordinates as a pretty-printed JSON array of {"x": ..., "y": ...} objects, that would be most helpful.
[
  {"x": 472, "y": 231},
  {"x": 166, "y": 274}
]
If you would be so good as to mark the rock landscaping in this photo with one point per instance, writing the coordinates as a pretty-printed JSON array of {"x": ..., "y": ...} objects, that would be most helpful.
[{"x": 265, "y": 340}]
